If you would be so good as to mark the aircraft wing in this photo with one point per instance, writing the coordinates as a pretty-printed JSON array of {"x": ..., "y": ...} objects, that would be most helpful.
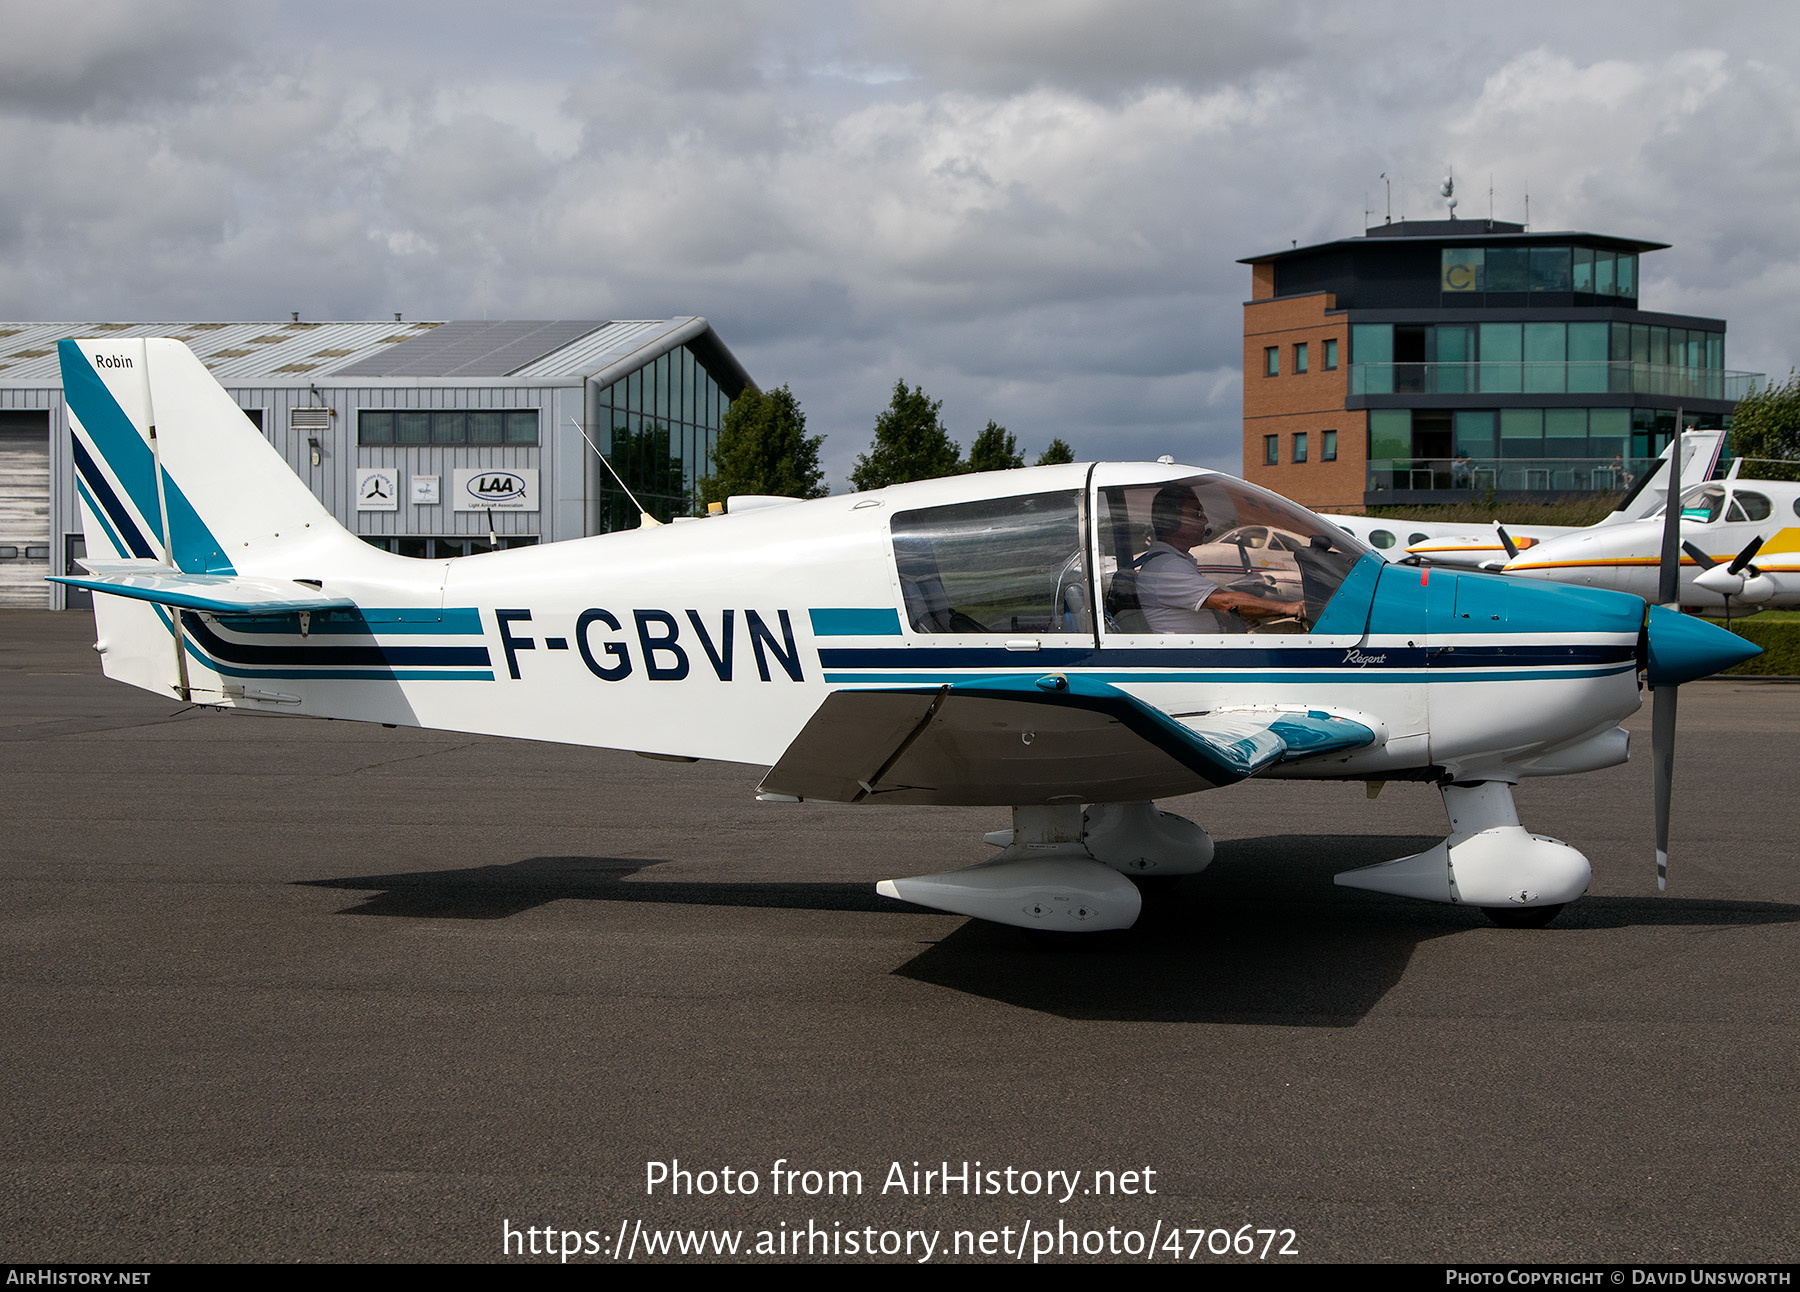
[
  {"x": 1024, "y": 740},
  {"x": 223, "y": 594}
]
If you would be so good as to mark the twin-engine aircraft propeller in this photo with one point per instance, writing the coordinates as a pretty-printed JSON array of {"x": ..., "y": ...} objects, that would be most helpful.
[{"x": 1738, "y": 579}]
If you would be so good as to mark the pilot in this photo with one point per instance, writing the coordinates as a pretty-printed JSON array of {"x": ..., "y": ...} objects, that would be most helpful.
[{"x": 1174, "y": 595}]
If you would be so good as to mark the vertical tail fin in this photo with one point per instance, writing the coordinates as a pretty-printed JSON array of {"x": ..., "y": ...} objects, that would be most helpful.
[{"x": 170, "y": 469}]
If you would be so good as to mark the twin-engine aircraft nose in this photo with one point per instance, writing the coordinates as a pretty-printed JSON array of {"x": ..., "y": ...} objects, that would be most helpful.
[{"x": 1683, "y": 648}]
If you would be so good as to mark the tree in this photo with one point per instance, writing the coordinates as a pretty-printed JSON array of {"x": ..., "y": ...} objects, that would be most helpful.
[
  {"x": 1766, "y": 423},
  {"x": 910, "y": 444},
  {"x": 763, "y": 448},
  {"x": 1057, "y": 453},
  {"x": 995, "y": 449}
]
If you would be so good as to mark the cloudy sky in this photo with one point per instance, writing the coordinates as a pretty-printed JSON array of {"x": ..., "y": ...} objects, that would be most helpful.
[{"x": 1033, "y": 208}]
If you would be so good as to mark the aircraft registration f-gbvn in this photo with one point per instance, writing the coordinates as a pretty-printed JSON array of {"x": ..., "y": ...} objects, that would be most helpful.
[{"x": 982, "y": 639}]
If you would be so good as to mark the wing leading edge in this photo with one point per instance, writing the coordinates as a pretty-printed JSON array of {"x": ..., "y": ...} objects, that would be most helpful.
[{"x": 1023, "y": 741}]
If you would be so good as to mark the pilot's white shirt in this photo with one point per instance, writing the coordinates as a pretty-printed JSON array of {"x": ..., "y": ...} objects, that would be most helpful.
[{"x": 1171, "y": 590}]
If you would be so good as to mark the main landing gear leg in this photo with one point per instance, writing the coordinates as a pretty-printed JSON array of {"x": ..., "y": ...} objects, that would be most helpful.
[
  {"x": 1066, "y": 871},
  {"x": 1520, "y": 880}
]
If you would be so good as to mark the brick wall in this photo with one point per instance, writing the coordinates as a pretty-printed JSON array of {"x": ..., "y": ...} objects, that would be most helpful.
[{"x": 1312, "y": 402}]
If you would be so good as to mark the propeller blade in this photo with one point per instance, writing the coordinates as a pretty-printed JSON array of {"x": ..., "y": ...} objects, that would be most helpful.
[
  {"x": 1512, "y": 549},
  {"x": 1668, "y": 585},
  {"x": 1744, "y": 557},
  {"x": 1662, "y": 761},
  {"x": 1701, "y": 559}
]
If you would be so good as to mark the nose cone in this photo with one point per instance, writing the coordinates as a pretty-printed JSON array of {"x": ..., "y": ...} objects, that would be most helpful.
[{"x": 1683, "y": 648}]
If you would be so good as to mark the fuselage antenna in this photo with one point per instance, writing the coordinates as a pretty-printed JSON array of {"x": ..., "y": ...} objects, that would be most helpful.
[{"x": 645, "y": 519}]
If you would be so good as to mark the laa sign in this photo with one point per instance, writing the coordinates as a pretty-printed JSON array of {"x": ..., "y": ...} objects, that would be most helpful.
[{"x": 487, "y": 488}]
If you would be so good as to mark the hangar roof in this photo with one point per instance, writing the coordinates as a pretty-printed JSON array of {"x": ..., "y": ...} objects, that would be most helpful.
[{"x": 459, "y": 352}]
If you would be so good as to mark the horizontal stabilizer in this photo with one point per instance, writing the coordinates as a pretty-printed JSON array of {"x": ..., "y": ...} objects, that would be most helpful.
[
  {"x": 1053, "y": 739},
  {"x": 223, "y": 594}
]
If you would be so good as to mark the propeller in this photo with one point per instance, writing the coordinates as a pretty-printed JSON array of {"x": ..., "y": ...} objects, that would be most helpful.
[
  {"x": 1662, "y": 698},
  {"x": 1738, "y": 579},
  {"x": 1679, "y": 648}
]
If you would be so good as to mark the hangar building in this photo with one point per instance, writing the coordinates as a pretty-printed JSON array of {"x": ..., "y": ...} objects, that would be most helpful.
[{"x": 397, "y": 426}]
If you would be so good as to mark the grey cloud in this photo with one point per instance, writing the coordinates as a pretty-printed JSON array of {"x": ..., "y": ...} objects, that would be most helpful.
[
  {"x": 104, "y": 55},
  {"x": 1094, "y": 46}
]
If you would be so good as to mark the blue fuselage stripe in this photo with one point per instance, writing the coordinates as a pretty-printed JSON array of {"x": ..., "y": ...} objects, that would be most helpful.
[
  {"x": 327, "y": 656},
  {"x": 107, "y": 504}
]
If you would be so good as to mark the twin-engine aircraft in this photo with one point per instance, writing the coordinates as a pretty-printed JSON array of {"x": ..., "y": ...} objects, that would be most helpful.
[
  {"x": 1490, "y": 547},
  {"x": 1740, "y": 544},
  {"x": 986, "y": 639}
]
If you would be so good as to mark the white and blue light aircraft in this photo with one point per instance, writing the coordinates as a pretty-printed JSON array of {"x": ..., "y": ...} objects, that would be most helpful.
[{"x": 972, "y": 640}]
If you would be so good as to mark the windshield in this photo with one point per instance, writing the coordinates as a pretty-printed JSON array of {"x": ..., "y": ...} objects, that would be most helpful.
[{"x": 1168, "y": 549}]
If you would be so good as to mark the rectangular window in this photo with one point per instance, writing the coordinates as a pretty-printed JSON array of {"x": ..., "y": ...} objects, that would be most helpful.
[
  {"x": 1627, "y": 274},
  {"x": 1455, "y": 349},
  {"x": 1475, "y": 433},
  {"x": 1372, "y": 354},
  {"x": 1502, "y": 346},
  {"x": 1271, "y": 450},
  {"x": 1461, "y": 269},
  {"x": 1330, "y": 354},
  {"x": 1328, "y": 446},
  {"x": 1550, "y": 269},
  {"x": 1508, "y": 269},
  {"x": 1546, "y": 353},
  {"x": 447, "y": 426},
  {"x": 1522, "y": 433},
  {"x": 1565, "y": 433},
  {"x": 1299, "y": 446},
  {"x": 1390, "y": 433},
  {"x": 1605, "y": 266},
  {"x": 1587, "y": 357},
  {"x": 1271, "y": 360},
  {"x": 1299, "y": 356},
  {"x": 1584, "y": 269}
]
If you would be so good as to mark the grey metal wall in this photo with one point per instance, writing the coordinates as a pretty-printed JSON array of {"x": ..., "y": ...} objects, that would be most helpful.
[{"x": 557, "y": 458}]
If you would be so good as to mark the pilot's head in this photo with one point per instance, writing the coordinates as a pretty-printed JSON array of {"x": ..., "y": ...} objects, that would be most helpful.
[{"x": 1176, "y": 513}]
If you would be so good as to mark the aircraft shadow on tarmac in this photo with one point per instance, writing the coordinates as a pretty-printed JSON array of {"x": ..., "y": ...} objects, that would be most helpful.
[{"x": 1262, "y": 937}]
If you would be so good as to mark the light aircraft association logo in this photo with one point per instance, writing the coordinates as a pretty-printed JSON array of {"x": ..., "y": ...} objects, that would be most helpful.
[{"x": 496, "y": 486}]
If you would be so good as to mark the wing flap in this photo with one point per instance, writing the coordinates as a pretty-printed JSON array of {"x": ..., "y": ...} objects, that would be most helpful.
[
  {"x": 1019, "y": 741},
  {"x": 221, "y": 594}
]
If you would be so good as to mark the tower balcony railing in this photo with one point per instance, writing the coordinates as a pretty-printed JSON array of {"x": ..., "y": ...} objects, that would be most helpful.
[
  {"x": 1533, "y": 377},
  {"x": 1480, "y": 476}
]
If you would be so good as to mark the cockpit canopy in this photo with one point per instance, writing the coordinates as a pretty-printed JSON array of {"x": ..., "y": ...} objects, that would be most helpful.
[
  {"x": 1706, "y": 503},
  {"x": 1020, "y": 565}
]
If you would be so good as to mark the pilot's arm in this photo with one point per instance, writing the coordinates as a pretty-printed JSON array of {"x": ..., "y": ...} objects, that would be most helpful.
[{"x": 1248, "y": 606}]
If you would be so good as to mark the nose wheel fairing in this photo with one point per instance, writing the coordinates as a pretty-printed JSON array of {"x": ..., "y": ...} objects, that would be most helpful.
[{"x": 1489, "y": 860}]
